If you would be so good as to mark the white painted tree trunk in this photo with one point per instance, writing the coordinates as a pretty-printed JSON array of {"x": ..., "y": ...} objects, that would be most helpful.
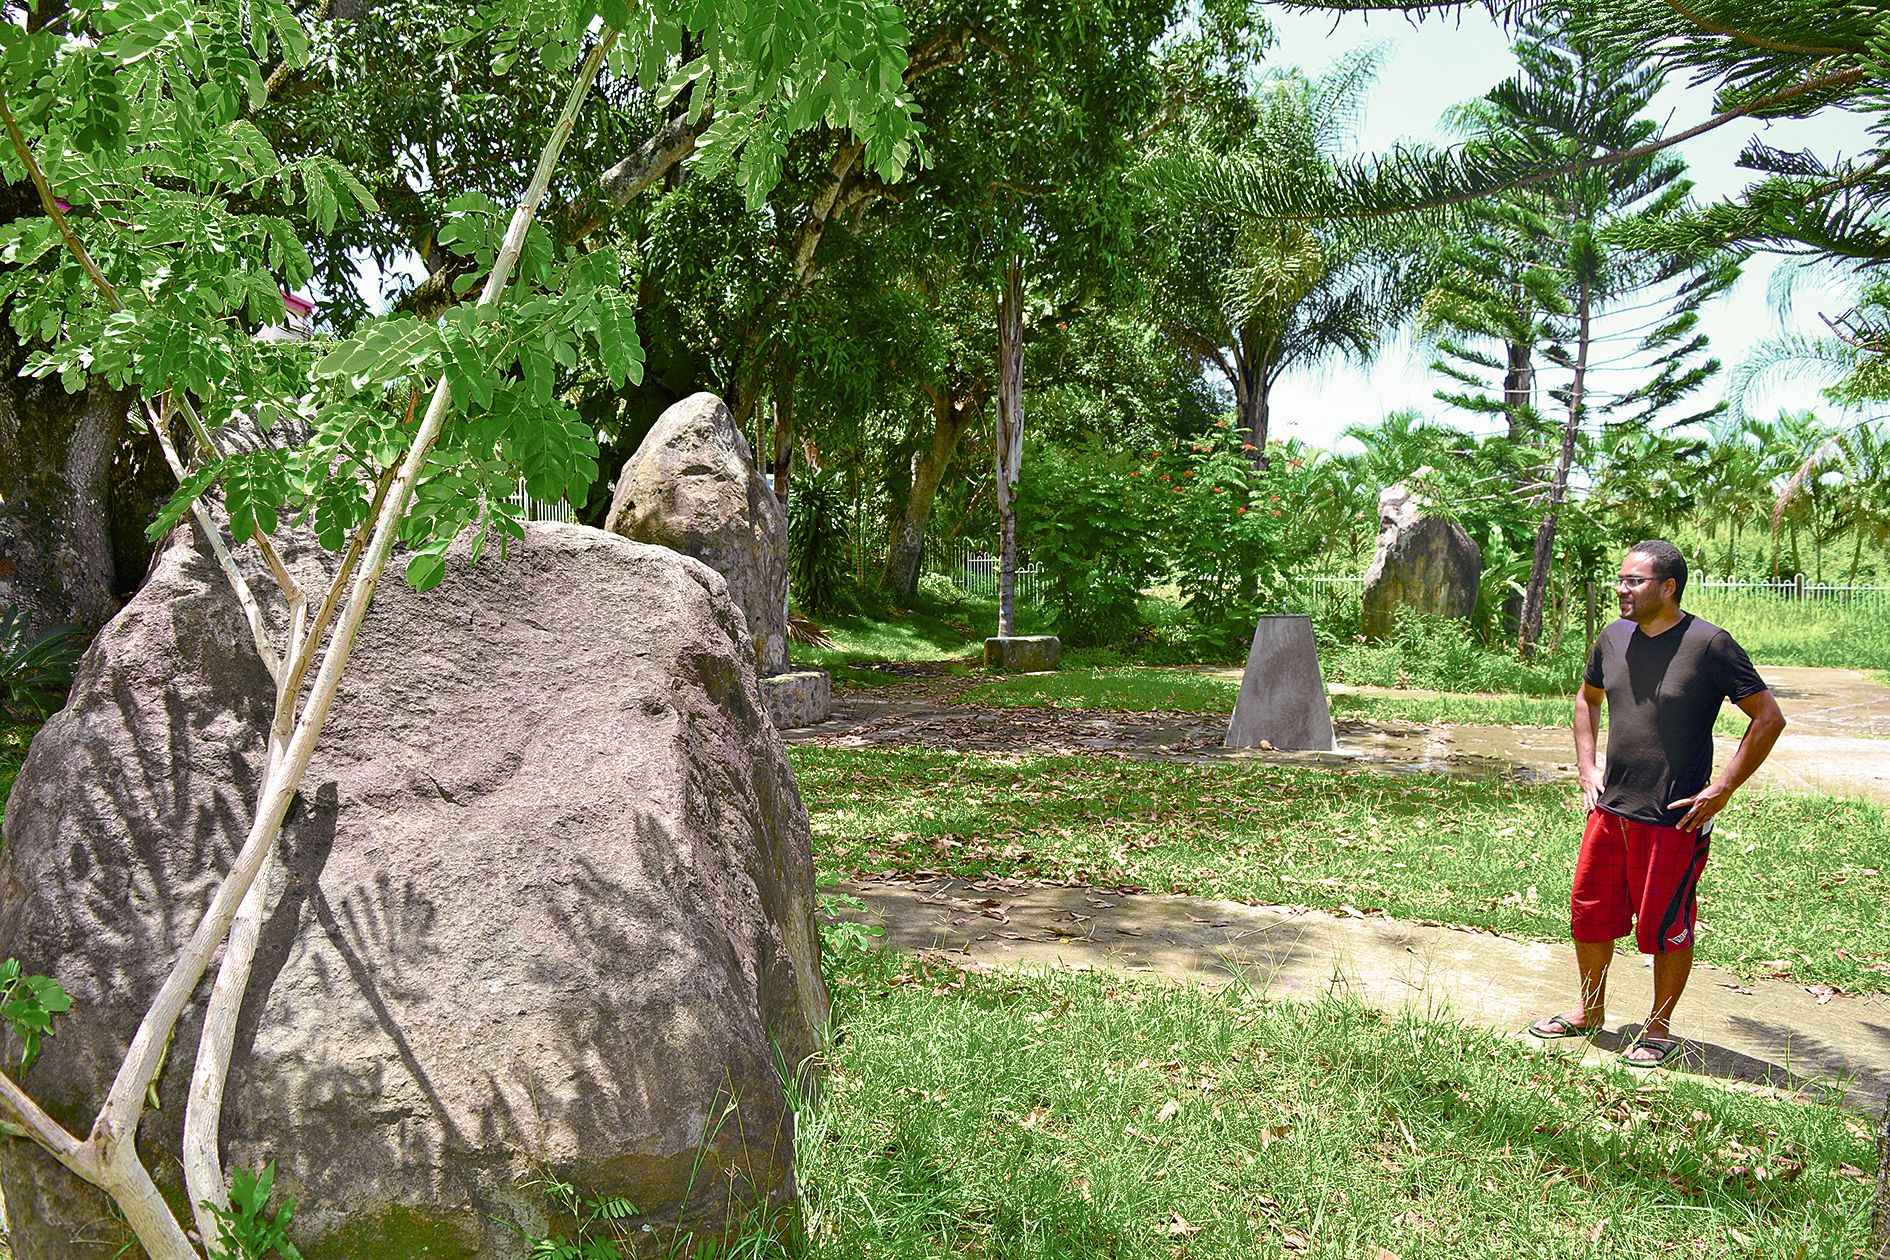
[{"x": 1009, "y": 445}]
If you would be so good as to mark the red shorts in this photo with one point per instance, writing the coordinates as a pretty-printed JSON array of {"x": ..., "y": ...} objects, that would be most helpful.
[{"x": 1639, "y": 876}]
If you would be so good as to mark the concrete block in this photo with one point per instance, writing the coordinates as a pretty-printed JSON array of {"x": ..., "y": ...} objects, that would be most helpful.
[
  {"x": 800, "y": 697},
  {"x": 1023, "y": 654},
  {"x": 1282, "y": 694}
]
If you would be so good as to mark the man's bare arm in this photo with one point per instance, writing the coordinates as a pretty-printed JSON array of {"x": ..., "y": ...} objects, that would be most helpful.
[
  {"x": 1587, "y": 721},
  {"x": 1761, "y": 733}
]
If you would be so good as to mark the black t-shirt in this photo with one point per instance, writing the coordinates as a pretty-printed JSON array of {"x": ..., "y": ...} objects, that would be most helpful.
[{"x": 1664, "y": 691}]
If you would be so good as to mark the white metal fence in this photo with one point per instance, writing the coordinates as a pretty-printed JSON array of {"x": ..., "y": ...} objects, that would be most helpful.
[
  {"x": 973, "y": 568},
  {"x": 1797, "y": 588},
  {"x": 539, "y": 510}
]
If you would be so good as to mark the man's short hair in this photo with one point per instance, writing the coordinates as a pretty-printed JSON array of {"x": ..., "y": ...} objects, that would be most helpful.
[{"x": 1667, "y": 562}]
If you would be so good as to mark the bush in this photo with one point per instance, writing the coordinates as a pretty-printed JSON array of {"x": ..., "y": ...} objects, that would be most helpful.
[
  {"x": 1441, "y": 654},
  {"x": 35, "y": 673},
  {"x": 1233, "y": 533},
  {"x": 817, "y": 541},
  {"x": 1086, "y": 519}
]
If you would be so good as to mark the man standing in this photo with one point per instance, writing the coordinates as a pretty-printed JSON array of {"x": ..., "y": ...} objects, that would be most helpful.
[{"x": 1663, "y": 673}]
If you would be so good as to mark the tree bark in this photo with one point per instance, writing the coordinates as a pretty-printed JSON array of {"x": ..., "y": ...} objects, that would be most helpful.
[
  {"x": 783, "y": 462},
  {"x": 1008, "y": 449},
  {"x": 1519, "y": 388},
  {"x": 1538, "y": 587},
  {"x": 1252, "y": 397},
  {"x": 953, "y": 411},
  {"x": 58, "y": 453}
]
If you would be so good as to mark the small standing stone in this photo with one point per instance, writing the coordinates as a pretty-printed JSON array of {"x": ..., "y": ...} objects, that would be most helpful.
[
  {"x": 1282, "y": 702},
  {"x": 1423, "y": 562}
]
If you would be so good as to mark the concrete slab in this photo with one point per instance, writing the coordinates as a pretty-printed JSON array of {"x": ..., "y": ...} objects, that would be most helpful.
[
  {"x": 1765, "y": 1032},
  {"x": 1023, "y": 654},
  {"x": 798, "y": 698},
  {"x": 1282, "y": 701}
]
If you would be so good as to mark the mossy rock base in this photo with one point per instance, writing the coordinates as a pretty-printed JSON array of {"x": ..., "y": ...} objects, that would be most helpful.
[{"x": 1023, "y": 654}]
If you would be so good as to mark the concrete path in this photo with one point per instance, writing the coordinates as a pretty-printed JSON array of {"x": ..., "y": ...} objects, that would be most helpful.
[{"x": 1769, "y": 1032}]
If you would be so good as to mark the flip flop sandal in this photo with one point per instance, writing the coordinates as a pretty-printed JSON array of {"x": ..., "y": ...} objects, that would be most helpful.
[
  {"x": 1559, "y": 1027},
  {"x": 1664, "y": 1048}
]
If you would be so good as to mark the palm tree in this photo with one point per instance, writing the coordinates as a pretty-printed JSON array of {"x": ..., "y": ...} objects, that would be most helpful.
[
  {"x": 1249, "y": 297},
  {"x": 1735, "y": 486},
  {"x": 1863, "y": 496}
]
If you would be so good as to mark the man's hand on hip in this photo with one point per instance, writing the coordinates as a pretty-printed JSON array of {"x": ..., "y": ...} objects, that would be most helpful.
[
  {"x": 1591, "y": 788},
  {"x": 1701, "y": 806}
]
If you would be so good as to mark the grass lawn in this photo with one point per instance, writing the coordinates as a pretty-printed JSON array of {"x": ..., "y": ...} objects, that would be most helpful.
[
  {"x": 930, "y": 631},
  {"x": 1785, "y": 632},
  {"x": 1083, "y": 1115},
  {"x": 1151, "y": 689},
  {"x": 1797, "y": 883},
  {"x": 14, "y": 737}
]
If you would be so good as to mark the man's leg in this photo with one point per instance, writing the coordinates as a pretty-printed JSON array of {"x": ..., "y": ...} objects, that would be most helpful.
[
  {"x": 1671, "y": 970},
  {"x": 1666, "y": 924},
  {"x": 1591, "y": 963},
  {"x": 1598, "y": 906}
]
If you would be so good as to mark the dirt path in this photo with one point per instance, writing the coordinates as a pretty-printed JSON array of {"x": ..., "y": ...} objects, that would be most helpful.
[
  {"x": 1835, "y": 742},
  {"x": 1767, "y": 1032}
]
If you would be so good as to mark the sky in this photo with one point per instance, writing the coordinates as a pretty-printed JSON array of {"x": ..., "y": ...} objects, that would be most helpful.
[{"x": 1438, "y": 63}]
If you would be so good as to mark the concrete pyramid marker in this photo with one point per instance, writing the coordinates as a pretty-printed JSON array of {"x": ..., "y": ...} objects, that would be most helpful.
[{"x": 1282, "y": 695}]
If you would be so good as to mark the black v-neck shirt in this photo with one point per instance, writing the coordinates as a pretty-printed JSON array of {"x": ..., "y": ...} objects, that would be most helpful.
[{"x": 1664, "y": 691}]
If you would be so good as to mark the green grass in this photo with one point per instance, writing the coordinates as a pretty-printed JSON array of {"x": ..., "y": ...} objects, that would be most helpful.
[
  {"x": 1119, "y": 688},
  {"x": 1782, "y": 632},
  {"x": 1492, "y": 710},
  {"x": 14, "y": 737},
  {"x": 1152, "y": 689},
  {"x": 1797, "y": 881},
  {"x": 1440, "y": 656},
  {"x": 1034, "y": 1116}
]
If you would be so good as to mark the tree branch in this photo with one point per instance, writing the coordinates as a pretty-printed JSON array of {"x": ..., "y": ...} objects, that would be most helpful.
[{"x": 1756, "y": 41}]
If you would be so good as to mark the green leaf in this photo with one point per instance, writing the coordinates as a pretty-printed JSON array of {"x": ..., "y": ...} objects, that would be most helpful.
[
  {"x": 425, "y": 570},
  {"x": 382, "y": 352}
]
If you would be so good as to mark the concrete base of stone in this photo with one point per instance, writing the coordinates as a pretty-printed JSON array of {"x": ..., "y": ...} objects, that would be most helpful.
[
  {"x": 802, "y": 697},
  {"x": 1282, "y": 695},
  {"x": 1022, "y": 654}
]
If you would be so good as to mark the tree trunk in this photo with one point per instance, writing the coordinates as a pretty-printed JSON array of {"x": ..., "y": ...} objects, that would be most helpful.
[
  {"x": 1558, "y": 489},
  {"x": 952, "y": 414},
  {"x": 1008, "y": 449},
  {"x": 73, "y": 498},
  {"x": 1251, "y": 395},
  {"x": 1857, "y": 554},
  {"x": 1255, "y": 416},
  {"x": 1519, "y": 389},
  {"x": 783, "y": 462}
]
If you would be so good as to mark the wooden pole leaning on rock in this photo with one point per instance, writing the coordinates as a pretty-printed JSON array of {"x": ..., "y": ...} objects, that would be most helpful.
[{"x": 107, "y": 1157}]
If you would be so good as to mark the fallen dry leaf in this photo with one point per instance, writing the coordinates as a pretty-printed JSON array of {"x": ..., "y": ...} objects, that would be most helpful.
[
  {"x": 1178, "y": 1227},
  {"x": 1167, "y": 1112}
]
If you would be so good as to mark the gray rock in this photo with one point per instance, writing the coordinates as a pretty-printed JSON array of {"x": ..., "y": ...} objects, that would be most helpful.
[
  {"x": 546, "y": 904},
  {"x": 1022, "y": 654},
  {"x": 1423, "y": 562},
  {"x": 693, "y": 487}
]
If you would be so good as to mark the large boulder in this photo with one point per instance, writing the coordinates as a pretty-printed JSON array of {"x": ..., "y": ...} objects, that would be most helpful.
[
  {"x": 1423, "y": 562},
  {"x": 692, "y": 486},
  {"x": 545, "y": 906}
]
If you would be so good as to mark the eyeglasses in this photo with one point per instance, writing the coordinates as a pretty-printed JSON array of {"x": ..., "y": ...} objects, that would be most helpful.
[{"x": 1630, "y": 580}]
